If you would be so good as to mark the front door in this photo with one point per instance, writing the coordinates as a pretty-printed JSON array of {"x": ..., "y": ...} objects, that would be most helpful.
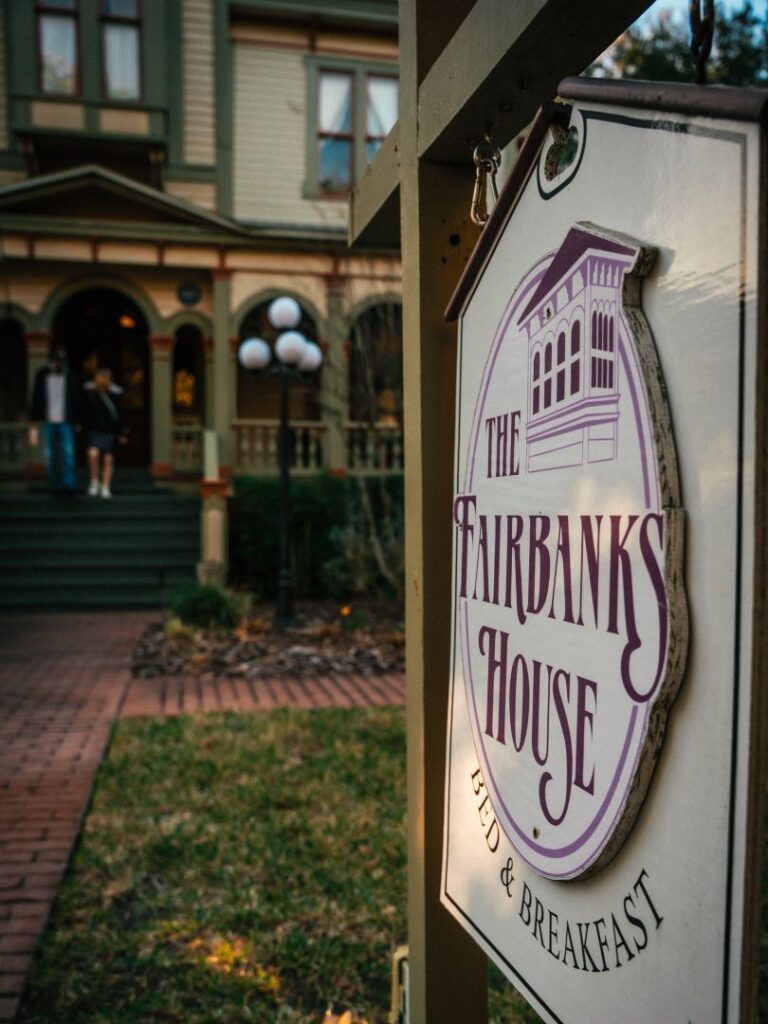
[{"x": 102, "y": 327}]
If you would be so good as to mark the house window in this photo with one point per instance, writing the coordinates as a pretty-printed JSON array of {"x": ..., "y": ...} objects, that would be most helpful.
[
  {"x": 58, "y": 48},
  {"x": 354, "y": 109},
  {"x": 381, "y": 98},
  {"x": 335, "y": 130},
  {"x": 121, "y": 49}
]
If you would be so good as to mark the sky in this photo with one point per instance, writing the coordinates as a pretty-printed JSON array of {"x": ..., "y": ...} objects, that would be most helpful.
[{"x": 680, "y": 7}]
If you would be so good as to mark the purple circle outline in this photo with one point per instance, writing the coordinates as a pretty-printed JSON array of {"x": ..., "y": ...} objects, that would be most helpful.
[{"x": 530, "y": 281}]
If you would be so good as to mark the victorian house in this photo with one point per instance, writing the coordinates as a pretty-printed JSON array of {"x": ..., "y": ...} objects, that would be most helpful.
[{"x": 167, "y": 168}]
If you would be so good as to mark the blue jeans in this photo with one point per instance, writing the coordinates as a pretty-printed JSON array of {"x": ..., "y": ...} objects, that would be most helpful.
[{"x": 60, "y": 449}]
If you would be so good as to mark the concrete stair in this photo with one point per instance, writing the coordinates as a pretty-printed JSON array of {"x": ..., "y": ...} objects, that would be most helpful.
[{"x": 130, "y": 552}]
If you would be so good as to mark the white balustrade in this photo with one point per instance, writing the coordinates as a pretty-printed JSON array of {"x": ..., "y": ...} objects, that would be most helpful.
[
  {"x": 374, "y": 448},
  {"x": 257, "y": 447}
]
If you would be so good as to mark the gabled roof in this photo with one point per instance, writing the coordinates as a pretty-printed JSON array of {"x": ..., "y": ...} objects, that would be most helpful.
[
  {"x": 577, "y": 242},
  {"x": 93, "y": 193}
]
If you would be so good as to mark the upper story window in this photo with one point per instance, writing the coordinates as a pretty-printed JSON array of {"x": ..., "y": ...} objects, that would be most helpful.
[
  {"x": 355, "y": 109},
  {"x": 381, "y": 110},
  {"x": 58, "y": 49},
  {"x": 335, "y": 130},
  {"x": 121, "y": 49}
]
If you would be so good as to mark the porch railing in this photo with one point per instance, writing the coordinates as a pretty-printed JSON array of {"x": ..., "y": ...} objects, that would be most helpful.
[
  {"x": 372, "y": 448},
  {"x": 13, "y": 447},
  {"x": 257, "y": 451},
  {"x": 187, "y": 448}
]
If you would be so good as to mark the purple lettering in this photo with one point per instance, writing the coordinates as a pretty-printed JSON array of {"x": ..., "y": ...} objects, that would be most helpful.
[
  {"x": 584, "y": 716},
  {"x": 546, "y": 777},
  {"x": 461, "y": 517},
  {"x": 538, "y": 556},
  {"x": 518, "y": 680}
]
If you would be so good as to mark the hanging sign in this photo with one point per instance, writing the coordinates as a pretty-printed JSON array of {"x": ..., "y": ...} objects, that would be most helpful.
[{"x": 597, "y": 805}]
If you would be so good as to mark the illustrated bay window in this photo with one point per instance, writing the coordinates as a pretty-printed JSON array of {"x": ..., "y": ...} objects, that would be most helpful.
[
  {"x": 352, "y": 110},
  {"x": 121, "y": 49},
  {"x": 602, "y": 351},
  {"x": 575, "y": 357},
  {"x": 58, "y": 47},
  {"x": 335, "y": 134},
  {"x": 536, "y": 399},
  {"x": 560, "y": 394},
  {"x": 548, "y": 376}
]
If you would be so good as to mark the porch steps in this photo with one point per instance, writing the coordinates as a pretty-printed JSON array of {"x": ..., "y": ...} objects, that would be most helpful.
[{"x": 87, "y": 553}]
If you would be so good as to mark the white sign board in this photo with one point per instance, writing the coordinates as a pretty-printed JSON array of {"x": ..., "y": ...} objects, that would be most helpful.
[{"x": 598, "y": 735}]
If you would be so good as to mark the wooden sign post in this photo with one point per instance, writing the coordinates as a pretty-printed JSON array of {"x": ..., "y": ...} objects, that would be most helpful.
[
  {"x": 465, "y": 68},
  {"x": 607, "y": 714}
]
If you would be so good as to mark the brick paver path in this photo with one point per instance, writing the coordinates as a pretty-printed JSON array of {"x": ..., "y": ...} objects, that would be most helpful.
[
  {"x": 183, "y": 695},
  {"x": 64, "y": 679}
]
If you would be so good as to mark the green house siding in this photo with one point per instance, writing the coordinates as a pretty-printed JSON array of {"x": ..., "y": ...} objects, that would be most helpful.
[
  {"x": 270, "y": 142},
  {"x": 160, "y": 33},
  {"x": 198, "y": 78}
]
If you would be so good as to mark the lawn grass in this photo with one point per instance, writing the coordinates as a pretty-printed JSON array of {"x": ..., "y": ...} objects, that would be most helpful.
[{"x": 237, "y": 868}]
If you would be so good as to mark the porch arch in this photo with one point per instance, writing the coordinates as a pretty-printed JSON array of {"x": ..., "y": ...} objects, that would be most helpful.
[
  {"x": 266, "y": 295},
  {"x": 114, "y": 282}
]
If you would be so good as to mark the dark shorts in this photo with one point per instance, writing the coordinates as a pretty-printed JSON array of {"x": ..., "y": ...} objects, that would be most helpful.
[{"x": 101, "y": 440}]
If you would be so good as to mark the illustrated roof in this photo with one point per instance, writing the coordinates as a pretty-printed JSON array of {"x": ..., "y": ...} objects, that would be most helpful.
[{"x": 577, "y": 242}]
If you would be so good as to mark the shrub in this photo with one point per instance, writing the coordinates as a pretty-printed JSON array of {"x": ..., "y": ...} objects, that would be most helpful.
[
  {"x": 206, "y": 606},
  {"x": 343, "y": 531}
]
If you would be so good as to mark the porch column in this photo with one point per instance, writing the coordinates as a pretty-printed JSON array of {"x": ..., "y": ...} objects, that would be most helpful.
[
  {"x": 38, "y": 348},
  {"x": 334, "y": 386},
  {"x": 161, "y": 354},
  {"x": 224, "y": 372},
  {"x": 208, "y": 371}
]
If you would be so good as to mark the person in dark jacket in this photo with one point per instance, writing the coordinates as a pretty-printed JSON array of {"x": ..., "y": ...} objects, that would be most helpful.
[
  {"x": 104, "y": 425},
  {"x": 54, "y": 408}
]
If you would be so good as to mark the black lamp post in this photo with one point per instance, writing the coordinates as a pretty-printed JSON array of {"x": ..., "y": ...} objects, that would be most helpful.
[{"x": 294, "y": 355}]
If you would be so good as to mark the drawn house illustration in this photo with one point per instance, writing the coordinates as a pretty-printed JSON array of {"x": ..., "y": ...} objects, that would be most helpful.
[{"x": 572, "y": 324}]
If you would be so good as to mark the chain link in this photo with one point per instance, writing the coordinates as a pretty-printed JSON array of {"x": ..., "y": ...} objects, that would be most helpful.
[{"x": 487, "y": 158}]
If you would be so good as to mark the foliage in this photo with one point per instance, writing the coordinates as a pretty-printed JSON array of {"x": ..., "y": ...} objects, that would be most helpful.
[
  {"x": 369, "y": 555},
  {"x": 206, "y": 606},
  {"x": 661, "y": 52},
  {"x": 346, "y": 535}
]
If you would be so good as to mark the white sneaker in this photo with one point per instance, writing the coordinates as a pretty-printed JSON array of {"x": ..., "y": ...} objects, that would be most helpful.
[
  {"x": 105, "y": 492},
  {"x": 93, "y": 490}
]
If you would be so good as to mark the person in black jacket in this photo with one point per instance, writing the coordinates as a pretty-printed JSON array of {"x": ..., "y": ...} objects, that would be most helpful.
[
  {"x": 104, "y": 424},
  {"x": 54, "y": 408}
]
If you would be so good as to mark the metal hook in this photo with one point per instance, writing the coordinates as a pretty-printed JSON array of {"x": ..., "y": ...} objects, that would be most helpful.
[
  {"x": 487, "y": 158},
  {"x": 702, "y": 36}
]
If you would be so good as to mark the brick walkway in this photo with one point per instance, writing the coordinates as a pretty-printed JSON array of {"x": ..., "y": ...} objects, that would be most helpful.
[
  {"x": 64, "y": 679},
  {"x": 183, "y": 696}
]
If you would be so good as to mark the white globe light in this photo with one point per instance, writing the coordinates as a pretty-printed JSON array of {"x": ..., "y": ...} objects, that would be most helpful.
[
  {"x": 313, "y": 358},
  {"x": 254, "y": 354},
  {"x": 290, "y": 347},
  {"x": 284, "y": 313}
]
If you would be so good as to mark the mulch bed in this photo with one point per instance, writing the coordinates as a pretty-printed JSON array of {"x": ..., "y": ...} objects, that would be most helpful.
[{"x": 323, "y": 641}]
